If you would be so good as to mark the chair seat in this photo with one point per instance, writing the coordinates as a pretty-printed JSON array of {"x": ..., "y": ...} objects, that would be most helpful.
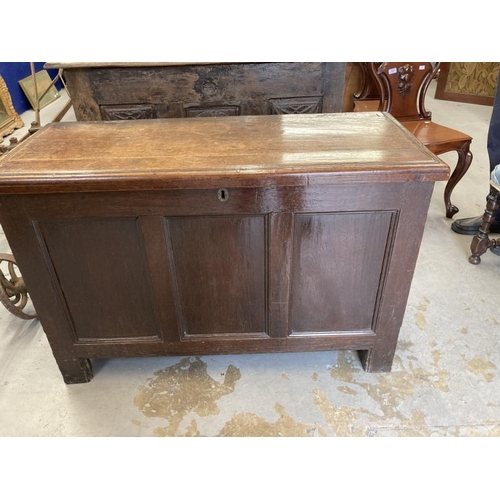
[
  {"x": 364, "y": 105},
  {"x": 438, "y": 138}
]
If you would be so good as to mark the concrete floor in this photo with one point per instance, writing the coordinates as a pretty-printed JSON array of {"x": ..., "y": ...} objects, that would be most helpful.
[{"x": 444, "y": 381}]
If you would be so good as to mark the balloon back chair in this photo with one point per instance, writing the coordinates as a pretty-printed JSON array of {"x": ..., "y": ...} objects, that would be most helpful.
[{"x": 403, "y": 86}]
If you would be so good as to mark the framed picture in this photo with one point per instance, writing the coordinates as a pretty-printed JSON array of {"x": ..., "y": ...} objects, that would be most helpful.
[
  {"x": 470, "y": 82},
  {"x": 43, "y": 82},
  {"x": 9, "y": 119}
]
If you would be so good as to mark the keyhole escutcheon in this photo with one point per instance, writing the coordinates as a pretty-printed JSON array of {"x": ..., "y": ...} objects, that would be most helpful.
[{"x": 223, "y": 194}]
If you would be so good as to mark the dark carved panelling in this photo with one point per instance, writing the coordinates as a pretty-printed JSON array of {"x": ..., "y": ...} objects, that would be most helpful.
[
  {"x": 195, "y": 111},
  {"x": 128, "y": 112},
  {"x": 208, "y": 88},
  {"x": 295, "y": 105},
  {"x": 182, "y": 85}
]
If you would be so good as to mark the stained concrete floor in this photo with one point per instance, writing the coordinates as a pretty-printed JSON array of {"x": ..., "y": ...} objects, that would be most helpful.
[{"x": 445, "y": 380}]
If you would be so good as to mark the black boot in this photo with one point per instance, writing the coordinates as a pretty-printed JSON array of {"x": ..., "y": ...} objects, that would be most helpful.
[{"x": 472, "y": 225}]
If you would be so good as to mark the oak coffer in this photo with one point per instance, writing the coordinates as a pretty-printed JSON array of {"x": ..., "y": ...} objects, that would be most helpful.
[{"x": 218, "y": 235}]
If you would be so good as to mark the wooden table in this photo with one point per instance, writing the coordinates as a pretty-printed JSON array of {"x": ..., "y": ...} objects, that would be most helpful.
[
  {"x": 127, "y": 91},
  {"x": 241, "y": 234}
]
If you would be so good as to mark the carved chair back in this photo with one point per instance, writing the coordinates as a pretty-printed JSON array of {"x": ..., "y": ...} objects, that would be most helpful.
[
  {"x": 369, "y": 89},
  {"x": 403, "y": 86}
]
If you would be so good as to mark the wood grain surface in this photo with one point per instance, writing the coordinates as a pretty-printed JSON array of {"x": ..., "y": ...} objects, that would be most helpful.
[{"x": 230, "y": 151}]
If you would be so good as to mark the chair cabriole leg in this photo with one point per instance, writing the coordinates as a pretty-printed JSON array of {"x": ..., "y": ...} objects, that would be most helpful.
[{"x": 463, "y": 164}]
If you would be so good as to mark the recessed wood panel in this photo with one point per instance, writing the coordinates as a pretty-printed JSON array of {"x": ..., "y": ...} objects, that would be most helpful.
[
  {"x": 295, "y": 105},
  {"x": 336, "y": 270},
  {"x": 211, "y": 111},
  {"x": 102, "y": 270},
  {"x": 219, "y": 266},
  {"x": 128, "y": 112}
]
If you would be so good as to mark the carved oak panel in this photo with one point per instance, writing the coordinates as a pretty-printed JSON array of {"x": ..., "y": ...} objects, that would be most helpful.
[
  {"x": 295, "y": 105},
  {"x": 297, "y": 87},
  {"x": 211, "y": 111},
  {"x": 128, "y": 112}
]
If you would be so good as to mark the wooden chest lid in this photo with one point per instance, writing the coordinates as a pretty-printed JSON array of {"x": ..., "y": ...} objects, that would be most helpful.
[{"x": 245, "y": 151}]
